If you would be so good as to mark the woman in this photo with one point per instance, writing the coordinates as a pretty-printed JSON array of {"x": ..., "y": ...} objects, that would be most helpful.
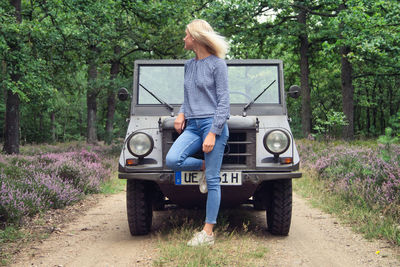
[{"x": 203, "y": 115}]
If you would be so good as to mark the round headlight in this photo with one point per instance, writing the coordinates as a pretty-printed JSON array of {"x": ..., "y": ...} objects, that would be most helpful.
[
  {"x": 140, "y": 144},
  {"x": 276, "y": 142}
]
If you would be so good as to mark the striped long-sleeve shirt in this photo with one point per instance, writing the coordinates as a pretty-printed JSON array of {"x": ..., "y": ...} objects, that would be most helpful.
[{"x": 206, "y": 92}]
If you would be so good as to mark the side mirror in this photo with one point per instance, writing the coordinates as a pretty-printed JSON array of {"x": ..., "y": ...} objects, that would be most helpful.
[
  {"x": 294, "y": 91},
  {"x": 123, "y": 94}
]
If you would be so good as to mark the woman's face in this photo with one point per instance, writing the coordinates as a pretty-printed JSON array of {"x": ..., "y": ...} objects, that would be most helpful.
[{"x": 189, "y": 41}]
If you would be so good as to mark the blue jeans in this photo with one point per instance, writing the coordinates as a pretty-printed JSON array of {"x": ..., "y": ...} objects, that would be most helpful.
[{"x": 188, "y": 143}]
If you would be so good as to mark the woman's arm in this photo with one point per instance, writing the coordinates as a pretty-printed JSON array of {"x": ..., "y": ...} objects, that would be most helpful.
[{"x": 222, "y": 93}]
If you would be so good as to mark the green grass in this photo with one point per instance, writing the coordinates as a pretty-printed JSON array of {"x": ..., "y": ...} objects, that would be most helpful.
[
  {"x": 237, "y": 250},
  {"x": 240, "y": 241},
  {"x": 371, "y": 223},
  {"x": 8, "y": 235},
  {"x": 113, "y": 186}
]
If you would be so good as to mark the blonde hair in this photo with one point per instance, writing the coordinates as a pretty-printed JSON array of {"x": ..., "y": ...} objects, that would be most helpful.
[{"x": 204, "y": 34}]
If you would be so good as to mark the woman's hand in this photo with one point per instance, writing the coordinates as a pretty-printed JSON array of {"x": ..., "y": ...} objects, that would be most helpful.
[
  {"x": 179, "y": 123},
  {"x": 209, "y": 142}
]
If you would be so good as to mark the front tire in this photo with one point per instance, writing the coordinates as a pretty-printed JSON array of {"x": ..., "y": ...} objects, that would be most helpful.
[
  {"x": 260, "y": 196},
  {"x": 279, "y": 207},
  {"x": 139, "y": 207},
  {"x": 258, "y": 203},
  {"x": 158, "y": 201}
]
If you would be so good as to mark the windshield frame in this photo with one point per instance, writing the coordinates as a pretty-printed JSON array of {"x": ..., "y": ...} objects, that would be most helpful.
[{"x": 236, "y": 109}]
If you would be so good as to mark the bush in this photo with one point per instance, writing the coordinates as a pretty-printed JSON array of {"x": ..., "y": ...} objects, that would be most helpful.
[
  {"x": 33, "y": 183},
  {"x": 332, "y": 126},
  {"x": 358, "y": 173},
  {"x": 387, "y": 141}
]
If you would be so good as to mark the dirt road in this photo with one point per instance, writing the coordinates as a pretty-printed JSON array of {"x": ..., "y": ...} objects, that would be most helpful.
[{"x": 100, "y": 237}]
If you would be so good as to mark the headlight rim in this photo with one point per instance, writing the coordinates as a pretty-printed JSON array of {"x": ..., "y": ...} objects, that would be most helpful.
[
  {"x": 129, "y": 147},
  {"x": 268, "y": 149}
]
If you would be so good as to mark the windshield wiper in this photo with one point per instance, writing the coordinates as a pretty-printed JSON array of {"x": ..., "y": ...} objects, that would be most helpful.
[
  {"x": 171, "y": 108},
  {"x": 254, "y": 100}
]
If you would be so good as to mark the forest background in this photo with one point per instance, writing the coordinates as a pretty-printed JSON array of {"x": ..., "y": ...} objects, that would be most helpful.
[{"x": 62, "y": 61}]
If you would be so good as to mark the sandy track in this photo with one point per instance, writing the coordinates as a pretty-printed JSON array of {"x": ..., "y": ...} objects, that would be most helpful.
[
  {"x": 100, "y": 237},
  {"x": 318, "y": 239}
]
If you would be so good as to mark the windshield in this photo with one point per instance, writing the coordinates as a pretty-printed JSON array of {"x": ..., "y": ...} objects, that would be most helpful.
[{"x": 245, "y": 84}]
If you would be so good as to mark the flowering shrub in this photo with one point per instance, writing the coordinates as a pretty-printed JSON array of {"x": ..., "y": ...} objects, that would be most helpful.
[
  {"x": 359, "y": 173},
  {"x": 33, "y": 183}
]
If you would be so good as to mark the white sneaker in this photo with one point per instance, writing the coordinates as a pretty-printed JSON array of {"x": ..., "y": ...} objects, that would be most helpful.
[
  {"x": 203, "y": 183},
  {"x": 201, "y": 239}
]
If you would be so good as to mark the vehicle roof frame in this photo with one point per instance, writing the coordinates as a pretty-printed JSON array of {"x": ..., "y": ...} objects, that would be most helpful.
[{"x": 236, "y": 109}]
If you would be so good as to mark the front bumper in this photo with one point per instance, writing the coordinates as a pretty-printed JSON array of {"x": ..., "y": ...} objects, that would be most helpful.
[{"x": 254, "y": 177}]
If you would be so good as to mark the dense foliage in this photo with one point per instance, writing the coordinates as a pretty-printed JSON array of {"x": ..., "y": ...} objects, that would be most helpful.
[{"x": 63, "y": 61}]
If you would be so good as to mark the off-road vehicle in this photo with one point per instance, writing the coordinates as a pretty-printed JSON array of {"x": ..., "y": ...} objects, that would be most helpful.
[{"x": 260, "y": 157}]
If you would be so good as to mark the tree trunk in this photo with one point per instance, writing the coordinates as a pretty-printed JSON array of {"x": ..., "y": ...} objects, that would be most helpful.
[
  {"x": 81, "y": 123},
  {"x": 4, "y": 96},
  {"x": 11, "y": 132},
  {"x": 64, "y": 130},
  {"x": 91, "y": 120},
  {"x": 347, "y": 93},
  {"x": 304, "y": 74},
  {"x": 111, "y": 96},
  {"x": 382, "y": 106},
  {"x": 91, "y": 96},
  {"x": 11, "y": 135},
  {"x": 374, "y": 110},
  {"x": 357, "y": 114},
  {"x": 390, "y": 100},
  {"x": 368, "y": 111},
  {"x": 397, "y": 85},
  {"x": 53, "y": 126},
  {"x": 42, "y": 135}
]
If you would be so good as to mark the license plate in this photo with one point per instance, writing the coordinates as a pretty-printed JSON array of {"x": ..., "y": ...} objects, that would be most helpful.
[{"x": 192, "y": 178}]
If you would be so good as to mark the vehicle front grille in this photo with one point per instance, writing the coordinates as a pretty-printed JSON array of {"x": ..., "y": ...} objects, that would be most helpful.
[
  {"x": 239, "y": 152},
  {"x": 236, "y": 151}
]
